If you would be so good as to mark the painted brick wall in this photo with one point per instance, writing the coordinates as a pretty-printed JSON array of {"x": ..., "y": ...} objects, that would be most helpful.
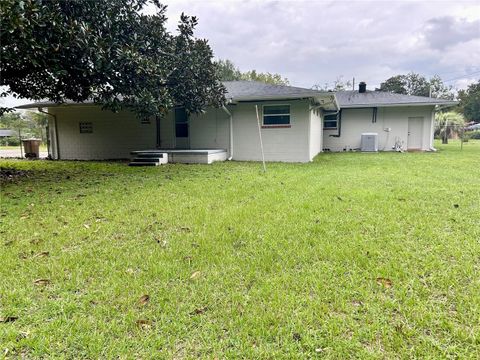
[
  {"x": 315, "y": 132},
  {"x": 280, "y": 144},
  {"x": 114, "y": 136},
  {"x": 357, "y": 121}
]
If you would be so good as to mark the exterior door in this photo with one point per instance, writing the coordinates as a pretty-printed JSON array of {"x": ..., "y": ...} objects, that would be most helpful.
[
  {"x": 415, "y": 132},
  {"x": 182, "y": 140}
]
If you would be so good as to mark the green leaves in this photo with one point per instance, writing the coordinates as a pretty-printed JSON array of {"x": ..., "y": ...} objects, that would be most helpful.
[
  {"x": 227, "y": 71},
  {"x": 416, "y": 84},
  {"x": 470, "y": 101},
  {"x": 108, "y": 52}
]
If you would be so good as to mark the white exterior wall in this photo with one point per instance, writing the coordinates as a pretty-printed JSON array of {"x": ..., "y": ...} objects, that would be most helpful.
[
  {"x": 280, "y": 144},
  {"x": 167, "y": 131},
  {"x": 210, "y": 130},
  {"x": 114, "y": 135},
  {"x": 316, "y": 138},
  {"x": 357, "y": 121}
]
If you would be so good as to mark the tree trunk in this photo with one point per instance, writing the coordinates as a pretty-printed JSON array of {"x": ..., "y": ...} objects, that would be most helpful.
[{"x": 445, "y": 134}]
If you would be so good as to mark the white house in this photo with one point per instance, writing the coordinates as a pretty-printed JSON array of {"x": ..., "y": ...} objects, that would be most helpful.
[{"x": 295, "y": 124}]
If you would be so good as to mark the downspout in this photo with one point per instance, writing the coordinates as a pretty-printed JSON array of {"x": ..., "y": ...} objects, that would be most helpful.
[
  {"x": 231, "y": 131},
  {"x": 57, "y": 147},
  {"x": 158, "y": 135}
]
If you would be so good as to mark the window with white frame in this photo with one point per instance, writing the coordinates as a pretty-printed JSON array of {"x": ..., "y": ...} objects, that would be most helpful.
[
  {"x": 330, "y": 121},
  {"x": 275, "y": 115}
]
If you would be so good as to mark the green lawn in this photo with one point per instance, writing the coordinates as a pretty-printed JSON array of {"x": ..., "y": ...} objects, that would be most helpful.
[
  {"x": 351, "y": 256},
  {"x": 43, "y": 147}
]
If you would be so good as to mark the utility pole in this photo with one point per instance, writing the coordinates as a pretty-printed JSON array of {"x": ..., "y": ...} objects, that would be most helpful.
[{"x": 353, "y": 84}]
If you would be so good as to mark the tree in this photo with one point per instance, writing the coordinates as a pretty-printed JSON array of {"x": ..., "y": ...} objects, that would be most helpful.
[
  {"x": 338, "y": 85},
  {"x": 108, "y": 52},
  {"x": 470, "y": 102},
  {"x": 17, "y": 123},
  {"x": 416, "y": 84},
  {"x": 448, "y": 124},
  {"x": 227, "y": 71},
  {"x": 439, "y": 90},
  {"x": 267, "y": 77},
  {"x": 26, "y": 125}
]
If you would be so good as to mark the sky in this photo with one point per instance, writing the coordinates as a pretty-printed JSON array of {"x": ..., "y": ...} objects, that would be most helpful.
[{"x": 315, "y": 42}]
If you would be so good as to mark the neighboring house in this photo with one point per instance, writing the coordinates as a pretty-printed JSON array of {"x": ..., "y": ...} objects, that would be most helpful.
[
  {"x": 295, "y": 125},
  {"x": 7, "y": 133},
  {"x": 473, "y": 127}
]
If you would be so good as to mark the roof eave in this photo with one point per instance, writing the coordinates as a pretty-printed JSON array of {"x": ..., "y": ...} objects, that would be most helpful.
[
  {"x": 50, "y": 105},
  {"x": 279, "y": 97},
  {"x": 451, "y": 103}
]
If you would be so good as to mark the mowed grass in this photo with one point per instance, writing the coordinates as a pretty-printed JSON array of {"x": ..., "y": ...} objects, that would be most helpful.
[{"x": 351, "y": 256}]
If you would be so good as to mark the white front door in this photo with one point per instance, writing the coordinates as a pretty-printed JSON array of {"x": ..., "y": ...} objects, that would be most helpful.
[
  {"x": 415, "y": 132},
  {"x": 182, "y": 139}
]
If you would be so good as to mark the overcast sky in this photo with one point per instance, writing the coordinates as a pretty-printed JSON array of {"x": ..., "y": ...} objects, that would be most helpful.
[{"x": 314, "y": 42}]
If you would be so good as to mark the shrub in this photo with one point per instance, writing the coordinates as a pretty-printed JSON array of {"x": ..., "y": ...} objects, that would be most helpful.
[{"x": 473, "y": 134}]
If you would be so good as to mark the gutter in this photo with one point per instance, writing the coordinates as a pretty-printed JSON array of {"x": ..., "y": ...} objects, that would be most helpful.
[
  {"x": 231, "y": 131},
  {"x": 361, "y": 106},
  {"x": 57, "y": 147},
  {"x": 279, "y": 97}
]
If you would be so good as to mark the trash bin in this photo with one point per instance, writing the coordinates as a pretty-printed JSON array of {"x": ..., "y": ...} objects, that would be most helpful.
[{"x": 31, "y": 148}]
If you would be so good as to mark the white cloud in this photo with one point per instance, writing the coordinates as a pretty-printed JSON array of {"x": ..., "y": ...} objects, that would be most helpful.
[{"x": 317, "y": 41}]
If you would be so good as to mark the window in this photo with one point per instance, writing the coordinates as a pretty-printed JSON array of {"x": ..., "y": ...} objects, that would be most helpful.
[
  {"x": 145, "y": 121},
  {"x": 330, "y": 121},
  {"x": 181, "y": 123},
  {"x": 86, "y": 127},
  {"x": 276, "y": 115}
]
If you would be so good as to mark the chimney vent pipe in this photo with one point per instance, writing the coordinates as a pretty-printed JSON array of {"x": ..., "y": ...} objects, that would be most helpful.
[{"x": 362, "y": 87}]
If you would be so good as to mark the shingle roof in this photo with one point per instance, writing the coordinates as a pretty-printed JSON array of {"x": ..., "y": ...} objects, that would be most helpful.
[
  {"x": 253, "y": 90},
  {"x": 241, "y": 90},
  {"x": 380, "y": 98}
]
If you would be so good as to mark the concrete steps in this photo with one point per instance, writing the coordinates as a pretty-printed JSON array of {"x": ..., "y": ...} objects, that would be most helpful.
[{"x": 149, "y": 159}]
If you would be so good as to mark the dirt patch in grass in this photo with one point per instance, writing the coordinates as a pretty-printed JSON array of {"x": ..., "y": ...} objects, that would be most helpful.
[{"x": 10, "y": 174}]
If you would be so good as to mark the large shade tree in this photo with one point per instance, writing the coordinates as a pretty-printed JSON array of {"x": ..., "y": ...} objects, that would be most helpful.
[
  {"x": 110, "y": 52},
  {"x": 470, "y": 102},
  {"x": 416, "y": 84},
  {"x": 228, "y": 71}
]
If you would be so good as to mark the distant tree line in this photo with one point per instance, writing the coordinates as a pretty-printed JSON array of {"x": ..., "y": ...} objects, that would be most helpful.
[
  {"x": 28, "y": 125},
  {"x": 227, "y": 71}
]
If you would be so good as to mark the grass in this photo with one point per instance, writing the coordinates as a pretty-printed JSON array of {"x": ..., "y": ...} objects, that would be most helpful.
[
  {"x": 43, "y": 147},
  {"x": 353, "y": 255}
]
